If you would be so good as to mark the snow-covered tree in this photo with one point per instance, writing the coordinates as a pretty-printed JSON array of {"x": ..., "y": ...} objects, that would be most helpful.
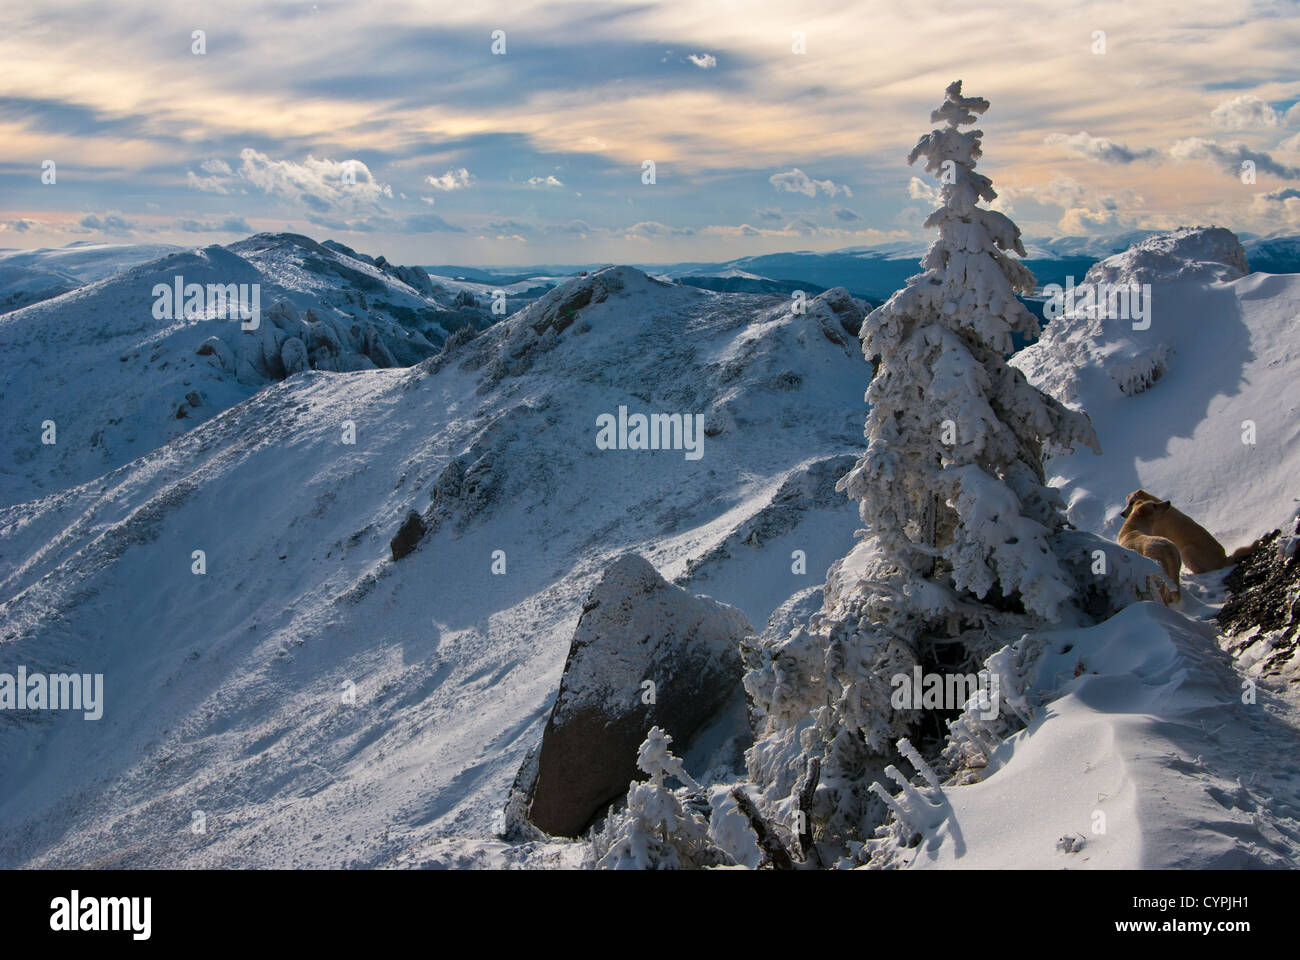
[
  {"x": 963, "y": 550},
  {"x": 656, "y": 831},
  {"x": 951, "y": 483}
]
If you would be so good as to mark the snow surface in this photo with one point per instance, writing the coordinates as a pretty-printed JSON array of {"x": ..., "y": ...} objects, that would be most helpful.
[
  {"x": 1142, "y": 751},
  {"x": 225, "y": 691}
]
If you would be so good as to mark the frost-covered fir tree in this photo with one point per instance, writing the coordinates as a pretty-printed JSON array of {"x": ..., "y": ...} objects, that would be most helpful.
[
  {"x": 951, "y": 483},
  {"x": 963, "y": 546}
]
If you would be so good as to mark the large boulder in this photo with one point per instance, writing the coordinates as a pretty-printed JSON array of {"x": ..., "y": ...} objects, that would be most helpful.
[
  {"x": 635, "y": 627},
  {"x": 408, "y": 535}
]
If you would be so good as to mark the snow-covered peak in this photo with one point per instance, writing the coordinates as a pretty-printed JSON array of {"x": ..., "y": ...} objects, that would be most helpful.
[
  {"x": 1198, "y": 398},
  {"x": 1188, "y": 253},
  {"x": 119, "y": 377}
]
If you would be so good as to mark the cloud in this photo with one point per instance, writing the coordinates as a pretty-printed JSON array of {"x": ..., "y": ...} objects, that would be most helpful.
[
  {"x": 1084, "y": 209},
  {"x": 546, "y": 181},
  {"x": 320, "y": 184},
  {"x": 381, "y": 223},
  {"x": 1290, "y": 144},
  {"x": 112, "y": 223},
  {"x": 654, "y": 230},
  {"x": 740, "y": 230},
  {"x": 208, "y": 184},
  {"x": 577, "y": 228},
  {"x": 705, "y": 61},
  {"x": 1277, "y": 207},
  {"x": 1080, "y": 221},
  {"x": 918, "y": 189},
  {"x": 324, "y": 186},
  {"x": 451, "y": 180},
  {"x": 1098, "y": 149},
  {"x": 1246, "y": 112},
  {"x": 428, "y": 223},
  {"x": 228, "y": 225},
  {"x": 1230, "y": 156},
  {"x": 21, "y": 225},
  {"x": 844, "y": 213},
  {"x": 796, "y": 181},
  {"x": 769, "y": 213}
]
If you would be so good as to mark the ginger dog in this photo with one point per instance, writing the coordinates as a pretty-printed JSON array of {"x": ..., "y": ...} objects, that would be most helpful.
[
  {"x": 1199, "y": 550},
  {"x": 1137, "y": 535}
]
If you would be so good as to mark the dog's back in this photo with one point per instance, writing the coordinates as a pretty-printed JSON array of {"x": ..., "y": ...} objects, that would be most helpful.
[{"x": 1196, "y": 545}]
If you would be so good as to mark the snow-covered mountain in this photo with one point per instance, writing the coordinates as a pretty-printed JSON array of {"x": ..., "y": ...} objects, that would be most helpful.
[
  {"x": 117, "y": 381},
  {"x": 307, "y": 700},
  {"x": 225, "y": 691},
  {"x": 29, "y": 276},
  {"x": 1201, "y": 406}
]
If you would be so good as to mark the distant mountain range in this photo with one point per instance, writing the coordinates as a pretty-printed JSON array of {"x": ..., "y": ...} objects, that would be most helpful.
[{"x": 874, "y": 272}]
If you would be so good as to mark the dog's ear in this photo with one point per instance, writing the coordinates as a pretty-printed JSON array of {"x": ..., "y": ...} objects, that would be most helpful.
[
  {"x": 1128, "y": 508},
  {"x": 1163, "y": 505}
]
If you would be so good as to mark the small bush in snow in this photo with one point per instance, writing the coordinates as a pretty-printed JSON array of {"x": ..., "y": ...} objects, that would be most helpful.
[{"x": 656, "y": 831}]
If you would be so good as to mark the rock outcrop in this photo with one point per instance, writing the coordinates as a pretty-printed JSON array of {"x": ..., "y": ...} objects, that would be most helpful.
[{"x": 645, "y": 654}]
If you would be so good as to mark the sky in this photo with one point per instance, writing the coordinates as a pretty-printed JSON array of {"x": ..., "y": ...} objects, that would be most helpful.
[{"x": 518, "y": 133}]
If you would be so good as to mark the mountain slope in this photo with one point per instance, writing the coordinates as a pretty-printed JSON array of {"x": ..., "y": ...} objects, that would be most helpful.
[
  {"x": 117, "y": 382},
  {"x": 30, "y": 276},
  {"x": 225, "y": 691},
  {"x": 1174, "y": 404}
]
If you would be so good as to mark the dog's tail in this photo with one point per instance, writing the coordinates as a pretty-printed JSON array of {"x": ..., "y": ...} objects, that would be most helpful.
[{"x": 1241, "y": 553}]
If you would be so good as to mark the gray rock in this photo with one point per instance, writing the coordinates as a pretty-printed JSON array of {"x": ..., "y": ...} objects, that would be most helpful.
[{"x": 635, "y": 627}]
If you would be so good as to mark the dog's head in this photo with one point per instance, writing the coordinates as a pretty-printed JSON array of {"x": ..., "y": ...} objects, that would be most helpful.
[
  {"x": 1143, "y": 513},
  {"x": 1136, "y": 497}
]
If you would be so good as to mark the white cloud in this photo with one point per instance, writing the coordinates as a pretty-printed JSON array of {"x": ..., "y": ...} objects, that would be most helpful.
[
  {"x": 653, "y": 230},
  {"x": 321, "y": 185},
  {"x": 110, "y": 223},
  {"x": 1230, "y": 156},
  {"x": 546, "y": 181},
  {"x": 208, "y": 184},
  {"x": 1080, "y": 221},
  {"x": 796, "y": 181},
  {"x": 918, "y": 189},
  {"x": 1246, "y": 112},
  {"x": 705, "y": 61},
  {"x": 451, "y": 180},
  {"x": 1098, "y": 149}
]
